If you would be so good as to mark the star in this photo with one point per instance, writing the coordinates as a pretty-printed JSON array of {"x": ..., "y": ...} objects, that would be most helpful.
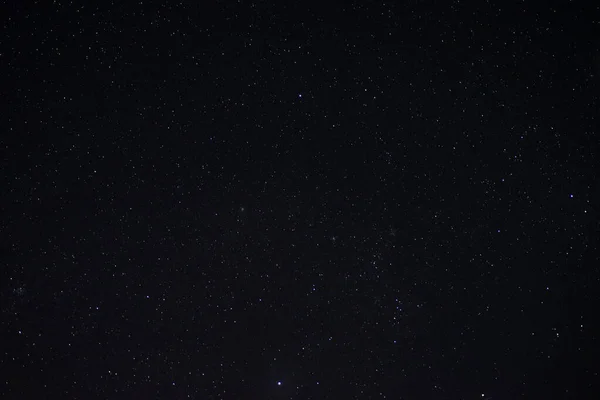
[{"x": 278, "y": 383}]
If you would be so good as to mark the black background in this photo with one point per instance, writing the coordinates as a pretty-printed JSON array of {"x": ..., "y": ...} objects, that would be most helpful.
[{"x": 358, "y": 200}]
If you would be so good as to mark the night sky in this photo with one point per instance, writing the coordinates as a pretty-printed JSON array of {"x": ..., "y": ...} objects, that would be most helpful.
[{"x": 274, "y": 200}]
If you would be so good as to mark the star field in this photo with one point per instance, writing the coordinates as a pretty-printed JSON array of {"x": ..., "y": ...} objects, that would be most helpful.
[{"x": 246, "y": 200}]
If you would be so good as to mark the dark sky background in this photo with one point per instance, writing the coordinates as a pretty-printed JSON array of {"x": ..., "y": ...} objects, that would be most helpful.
[{"x": 250, "y": 200}]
